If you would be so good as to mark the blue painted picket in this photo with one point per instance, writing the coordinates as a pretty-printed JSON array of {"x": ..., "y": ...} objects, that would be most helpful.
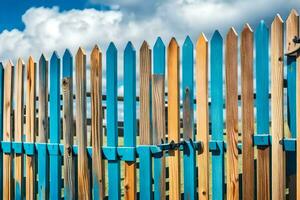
[
  {"x": 188, "y": 118},
  {"x": 216, "y": 110},
  {"x": 112, "y": 121},
  {"x": 158, "y": 70},
  {"x": 43, "y": 168},
  {"x": 55, "y": 128},
  {"x": 1, "y": 124}
]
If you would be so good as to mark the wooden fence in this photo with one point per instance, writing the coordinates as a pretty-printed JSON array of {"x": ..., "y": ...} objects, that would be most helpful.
[{"x": 180, "y": 148}]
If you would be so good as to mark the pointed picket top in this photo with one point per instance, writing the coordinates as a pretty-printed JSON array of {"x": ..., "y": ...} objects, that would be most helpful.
[
  {"x": 277, "y": 20},
  {"x": 145, "y": 46},
  {"x": 231, "y": 33},
  {"x": 54, "y": 56},
  {"x": 30, "y": 61},
  {"x": 173, "y": 43},
  {"x": 67, "y": 64},
  {"x": 9, "y": 64},
  {"x": 293, "y": 14},
  {"x": 187, "y": 42},
  {"x": 262, "y": 26},
  {"x": 111, "y": 48},
  {"x": 80, "y": 52},
  {"x": 43, "y": 58},
  {"x": 247, "y": 29},
  {"x": 217, "y": 36},
  {"x": 96, "y": 50},
  {"x": 201, "y": 40},
  {"x": 20, "y": 62},
  {"x": 159, "y": 57},
  {"x": 129, "y": 47}
]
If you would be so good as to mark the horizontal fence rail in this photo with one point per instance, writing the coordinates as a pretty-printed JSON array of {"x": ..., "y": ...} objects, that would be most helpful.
[{"x": 62, "y": 138}]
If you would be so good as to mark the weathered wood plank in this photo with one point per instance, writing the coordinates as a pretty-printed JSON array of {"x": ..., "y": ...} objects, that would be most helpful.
[
  {"x": 158, "y": 118},
  {"x": 98, "y": 167},
  {"x": 262, "y": 109},
  {"x": 30, "y": 127},
  {"x": 216, "y": 114},
  {"x": 43, "y": 129},
  {"x": 231, "y": 69},
  {"x": 247, "y": 111},
  {"x": 202, "y": 115},
  {"x": 81, "y": 128},
  {"x": 145, "y": 128},
  {"x": 19, "y": 123},
  {"x": 277, "y": 128},
  {"x": 7, "y": 130},
  {"x": 298, "y": 129},
  {"x": 130, "y": 119},
  {"x": 173, "y": 118},
  {"x": 68, "y": 126},
  {"x": 292, "y": 30}
]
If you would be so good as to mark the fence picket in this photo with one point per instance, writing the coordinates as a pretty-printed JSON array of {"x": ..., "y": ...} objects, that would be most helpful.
[
  {"x": 247, "y": 111},
  {"x": 262, "y": 109},
  {"x": 112, "y": 121},
  {"x": 202, "y": 115},
  {"x": 68, "y": 127},
  {"x": 81, "y": 126},
  {"x": 7, "y": 129},
  {"x": 158, "y": 118},
  {"x": 30, "y": 128},
  {"x": 145, "y": 123},
  {"x": 19, "y": 123},
  {"x": 98, "y": 166},
  {"x": 216, "y": 114},
  {"x": 188, "y": 118},
  {"x": 43, "y": 129},
  {"x": 55, "y": 159},
  {"x": 232, "y": 114},
  {"x": 173, "y": 118},
  {"x": 1, "y": 124},
  {"x": 292, "y": 30},
  {"x": 277, "y": 129},
  {"x": 298, "y": 128}
]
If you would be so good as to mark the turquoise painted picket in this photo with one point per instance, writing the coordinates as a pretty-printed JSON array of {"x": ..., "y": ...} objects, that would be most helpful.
[
  {"x": 55, "y": 128},
  {"x": 112, "y": 122},
  {"x": 216, "y": 110},
  {"x": 188, "y": 118},
  {"x": 1, "y": 123}
]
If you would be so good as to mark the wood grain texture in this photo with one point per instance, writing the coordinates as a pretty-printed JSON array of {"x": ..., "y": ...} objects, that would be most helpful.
[
  {"x": 96, "y": 126},
  {"x": 173, "y": 118},
  {"x": 19, "y": 123},
  {"x": 68, "y": 127},
  {"x": 247, "y": 111},
  {"x": 277, "y": 127},
  {"x": 145, "y": 95},
  {"x": 30, "y": 127},
  {"x": 292, "y": 30},
  {"x": 262, "y": 109},
  {"x": 81, "y": 126},
  {"x": 7, "y": 130},
  {"x": 158, "y": 120},
  {"x": 231, "y": 69},
  {"x": 202, "y": 115}
]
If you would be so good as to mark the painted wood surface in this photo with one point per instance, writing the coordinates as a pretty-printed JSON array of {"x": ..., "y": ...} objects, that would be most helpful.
[
  {"x": 112, "y": 119},
  {"x": 43, "y": 164},
  {"x": 188, "y": 118},
  {"x": 202, "y": 115},
  {"x": 81, "y": 126},
  {"x": 19, "y": 126},
  {"x": 7, "y": 129},
  {"x": 145, "y": 123},
  {"x": 158, "y": 118},
  {"x": 55, "y": 126},
  {"x": 247, "y": 111},
  {"x": 216, "y": 113},
  {"x": 231, "y": 69},
  {"x": 298, "y": 129},
  {"x": 98, "y": 166},
  {"x": 68, "y": 126},
  {"x": 1, "y": 123},
  {"x": 262, "y": 109},
  {"x": 130, "y": 119},
  {"x": 277, "y": 129},
  {"x": 173, "y": 118},
  {"x": 30, "y": 128}
]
